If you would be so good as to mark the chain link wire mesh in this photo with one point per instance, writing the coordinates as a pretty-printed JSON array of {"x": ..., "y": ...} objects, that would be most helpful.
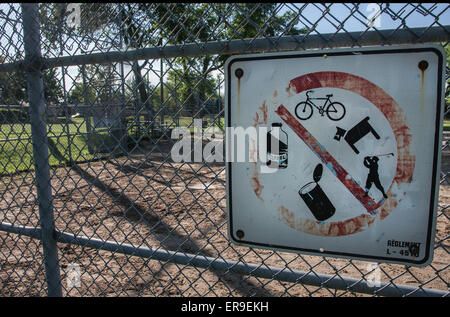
[{"x": 117, "y": 79}]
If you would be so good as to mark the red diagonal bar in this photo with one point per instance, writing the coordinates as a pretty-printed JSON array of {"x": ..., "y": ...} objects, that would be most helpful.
[{"x": 328, "y": 160}]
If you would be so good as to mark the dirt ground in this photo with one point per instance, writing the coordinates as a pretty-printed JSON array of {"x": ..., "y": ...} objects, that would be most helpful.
[{"x": 146, "y": 201}]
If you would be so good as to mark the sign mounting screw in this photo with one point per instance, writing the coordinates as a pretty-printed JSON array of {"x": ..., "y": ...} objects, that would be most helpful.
[
  {"x": 239, "y": 73},
  {"x": 423, "y": 65}
]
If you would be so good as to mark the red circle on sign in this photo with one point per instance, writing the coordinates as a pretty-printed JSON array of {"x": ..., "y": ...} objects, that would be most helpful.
[{"x": 405, "y": 161}]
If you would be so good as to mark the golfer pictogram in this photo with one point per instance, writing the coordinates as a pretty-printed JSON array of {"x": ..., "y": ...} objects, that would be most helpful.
[{"x": 371, "y": 162}]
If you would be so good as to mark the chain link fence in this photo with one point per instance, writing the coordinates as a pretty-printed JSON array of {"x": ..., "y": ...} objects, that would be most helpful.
[{"x": 91, "y": 202}]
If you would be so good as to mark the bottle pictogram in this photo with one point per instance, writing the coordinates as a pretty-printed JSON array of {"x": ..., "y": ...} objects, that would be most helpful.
[{"x": 277, "y": 147}]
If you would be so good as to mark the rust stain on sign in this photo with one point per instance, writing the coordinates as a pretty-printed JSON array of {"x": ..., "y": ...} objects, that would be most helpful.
[
  {"x": 254, "y": 181},
  {"x": 289, "y": 91},
  {"x": 239, "y": 98},
  {"x": 259, "y": 119},
  {"x": 331, "y": 229},
  {"x": 261, "y": 116},
  {"x": 422, "y": 93},
  {"x": 423, "y": 65},
  {"x": 239, "y": 73},
  {"x": 253, "y": 151},
  {"x": 337, "y": 228},
  {"x": 275, "y": 99},
  {"x": 256, "y": 184}
]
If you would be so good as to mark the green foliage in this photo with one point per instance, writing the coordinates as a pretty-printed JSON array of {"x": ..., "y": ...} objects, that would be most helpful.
[
  {"x": 8, "y": 116},
  {"x": 100, "y": 82},
  {"x": 53, "y": 91},
  {"x": 14, "y": 90},
  {"x": 262, "y": 20},
  {"x": 447, "y": 90},
  {"x": 154, "y": 93},
  {"x": 447, "y": 83},
  {"x": 192, "y": 78},
  {"x": 77, "y": 94},
  {"x": 13, "y": 87},
  {"x": 189, "y": 81}
]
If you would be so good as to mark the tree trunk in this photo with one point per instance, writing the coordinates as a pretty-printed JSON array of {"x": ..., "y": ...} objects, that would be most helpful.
[
  {"x": 143, "y": 95},
  {"x": 203, "y": 85}
]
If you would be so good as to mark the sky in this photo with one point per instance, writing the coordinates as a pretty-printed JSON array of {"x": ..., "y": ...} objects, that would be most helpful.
[
  {"x": 357, "y": 21},
  {"x": 312, "y": 15}
]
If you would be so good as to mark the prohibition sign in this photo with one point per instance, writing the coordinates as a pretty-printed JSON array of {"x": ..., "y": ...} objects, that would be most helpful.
[
  {"x": 405, "y": 164},
  {"x": 323, "y": 201}
]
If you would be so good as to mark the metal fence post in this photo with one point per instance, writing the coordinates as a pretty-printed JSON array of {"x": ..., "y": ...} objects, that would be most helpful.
[{"x": 31, "y": 31}]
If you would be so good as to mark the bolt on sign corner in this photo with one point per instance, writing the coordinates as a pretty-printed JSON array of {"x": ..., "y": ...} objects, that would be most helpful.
[{"x": 346, "y": 153}]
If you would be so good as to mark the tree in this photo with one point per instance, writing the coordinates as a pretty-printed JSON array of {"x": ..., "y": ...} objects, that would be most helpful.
[
  {"x": 124, "y": 21},
  {"x": 141, "y": 25},
  {"x": 261, "y": 20},
  {"x": 189, "y": 75},
  {"x": 248, "y": 20},
  {"x": 13, "y": 87},
  {"x": 98, "y": 84},
  {"x": 14, "y": 90},
  {"x": 53, "y": 91},
  {"x": 78, "y": 95}
]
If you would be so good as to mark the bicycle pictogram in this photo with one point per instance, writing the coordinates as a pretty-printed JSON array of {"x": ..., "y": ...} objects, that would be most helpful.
[{"x": 334, "y": 110}]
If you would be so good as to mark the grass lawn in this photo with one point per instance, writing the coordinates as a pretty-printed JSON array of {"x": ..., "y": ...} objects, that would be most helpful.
[
  {"x": 446, "y": 125},
  {"x": 16, "y": 153}
]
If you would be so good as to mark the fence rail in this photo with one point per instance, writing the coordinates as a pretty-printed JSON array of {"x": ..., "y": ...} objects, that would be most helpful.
[
  {"x": 135, "y": 222},
  {"x": 282, "y": 43}
]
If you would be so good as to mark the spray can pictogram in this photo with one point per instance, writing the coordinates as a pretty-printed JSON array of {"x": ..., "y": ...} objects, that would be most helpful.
[{"x": 277, "y": 147}]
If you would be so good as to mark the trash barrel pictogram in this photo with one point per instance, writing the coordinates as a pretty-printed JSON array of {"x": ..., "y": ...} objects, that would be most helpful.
[{"x": 315, "y": 198}]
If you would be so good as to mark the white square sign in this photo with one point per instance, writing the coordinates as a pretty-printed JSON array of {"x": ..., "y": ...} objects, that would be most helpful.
[{"x": 336, "y": 152}]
